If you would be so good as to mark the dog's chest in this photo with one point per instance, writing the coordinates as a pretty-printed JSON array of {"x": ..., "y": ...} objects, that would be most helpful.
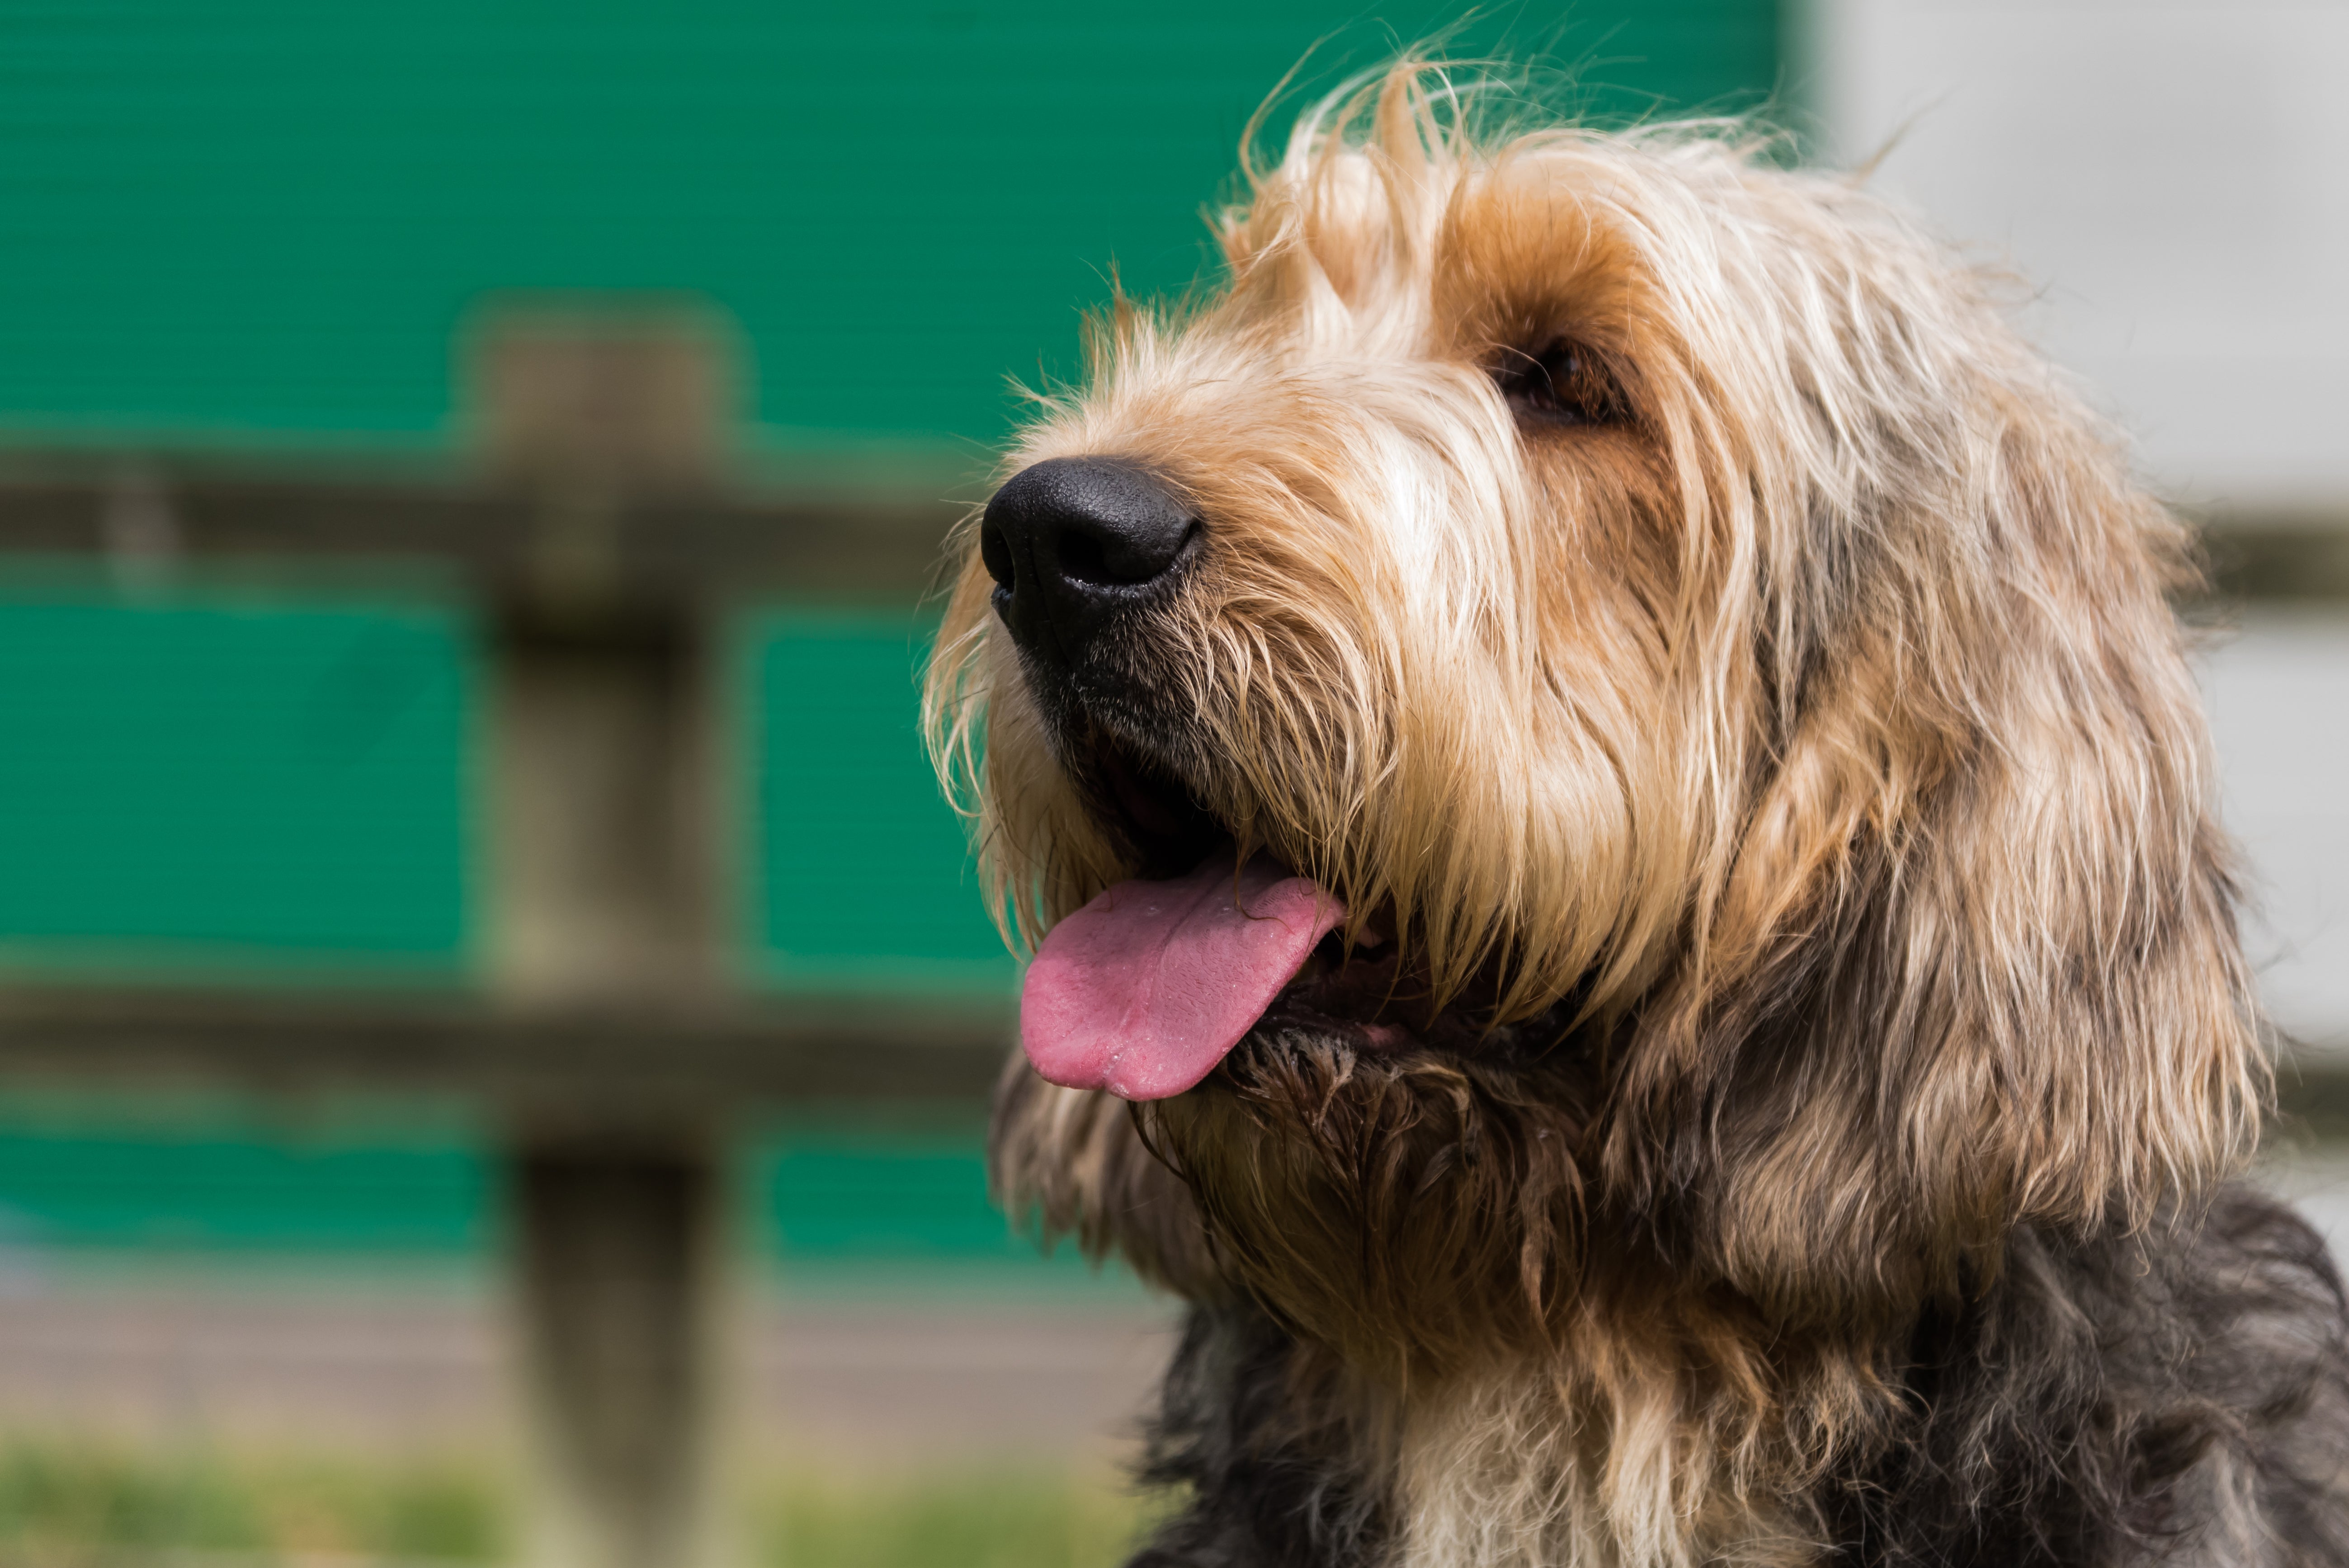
[{"x": 1509, "y": 1472}]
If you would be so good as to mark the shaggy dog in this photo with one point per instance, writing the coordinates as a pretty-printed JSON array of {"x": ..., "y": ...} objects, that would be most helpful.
[{"x": 1625, "y": 892}]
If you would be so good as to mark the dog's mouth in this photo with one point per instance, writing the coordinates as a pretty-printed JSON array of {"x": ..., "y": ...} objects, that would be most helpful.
[
  {"x": 1153, "y": 812},
  {"x": 1147, "y": 988}
]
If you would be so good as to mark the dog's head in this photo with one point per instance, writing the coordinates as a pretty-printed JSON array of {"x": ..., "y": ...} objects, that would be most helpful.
[{"x": 1684, "y": 702}]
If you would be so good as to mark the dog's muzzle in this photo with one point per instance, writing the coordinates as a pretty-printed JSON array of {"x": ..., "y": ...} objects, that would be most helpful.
[{"x": 1072, "y": 542}]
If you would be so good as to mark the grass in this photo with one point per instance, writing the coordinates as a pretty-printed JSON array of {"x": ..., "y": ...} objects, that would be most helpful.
[
  {"x": 74, "y": 1504},
  {"x": 82, "y": 1505},
  {"x": 1014, "y": 1521}
]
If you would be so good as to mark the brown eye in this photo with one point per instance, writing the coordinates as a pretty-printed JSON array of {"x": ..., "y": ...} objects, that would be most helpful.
[{"x": 1564, "y": 384}]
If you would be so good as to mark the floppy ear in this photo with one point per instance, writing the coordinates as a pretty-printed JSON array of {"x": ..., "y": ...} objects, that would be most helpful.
[
  {"x": 1070, "y": 1163},
  {"x": 1970, "y": 959}
]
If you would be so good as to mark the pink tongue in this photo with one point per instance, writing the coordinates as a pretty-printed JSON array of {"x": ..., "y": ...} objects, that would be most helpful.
[{"x": 1143, "y": 991}]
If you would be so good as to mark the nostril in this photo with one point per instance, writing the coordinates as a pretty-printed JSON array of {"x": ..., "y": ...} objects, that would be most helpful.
[
  {"x": 1126, "y": 557},
  {"x": 995, "y": 554},
  {"x": 1079, "y": 555}
]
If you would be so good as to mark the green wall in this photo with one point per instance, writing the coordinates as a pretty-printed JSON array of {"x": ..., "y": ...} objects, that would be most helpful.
[
  {"x": 263, "y": 221},
  {"x": 856, "y": 874},
  {"x": 217, "y": 781},
  {"x": 224, "y": 1185}
]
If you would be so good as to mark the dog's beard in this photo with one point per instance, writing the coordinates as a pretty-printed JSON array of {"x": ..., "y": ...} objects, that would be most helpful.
[
  {"x": 1392, "y": 1172},
  {"x": 1410, "y": 1206}
]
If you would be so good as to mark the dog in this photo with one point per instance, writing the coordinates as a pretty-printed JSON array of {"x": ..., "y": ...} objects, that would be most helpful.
[{"x": 1625, "y": 899}]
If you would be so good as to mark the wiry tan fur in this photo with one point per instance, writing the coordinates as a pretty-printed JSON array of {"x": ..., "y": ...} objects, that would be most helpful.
[{"x": 1814, "y": 749}]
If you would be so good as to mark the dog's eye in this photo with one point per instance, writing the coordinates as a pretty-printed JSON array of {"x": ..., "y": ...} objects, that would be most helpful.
[{"x": 1564, "y": 384}]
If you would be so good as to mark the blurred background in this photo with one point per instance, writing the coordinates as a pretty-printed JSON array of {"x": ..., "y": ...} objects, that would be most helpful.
[{"x": 495, "y": 1020}]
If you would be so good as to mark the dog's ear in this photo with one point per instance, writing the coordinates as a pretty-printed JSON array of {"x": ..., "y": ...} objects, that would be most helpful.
[
  {"x": 1968, "y": 959},
  {"x": 1067, "y": 1162}
]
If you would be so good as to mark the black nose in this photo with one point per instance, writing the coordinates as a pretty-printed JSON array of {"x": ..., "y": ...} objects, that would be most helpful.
[{"x": 1071, "y": 542}]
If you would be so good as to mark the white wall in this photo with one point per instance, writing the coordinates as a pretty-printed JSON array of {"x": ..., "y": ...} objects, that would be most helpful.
[
  {"x": 2175, "y": 178},
  {"x": 2279, "y": 699}
]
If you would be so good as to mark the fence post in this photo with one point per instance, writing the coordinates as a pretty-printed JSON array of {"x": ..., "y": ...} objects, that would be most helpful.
[{"x": 620, "y": 1254}]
